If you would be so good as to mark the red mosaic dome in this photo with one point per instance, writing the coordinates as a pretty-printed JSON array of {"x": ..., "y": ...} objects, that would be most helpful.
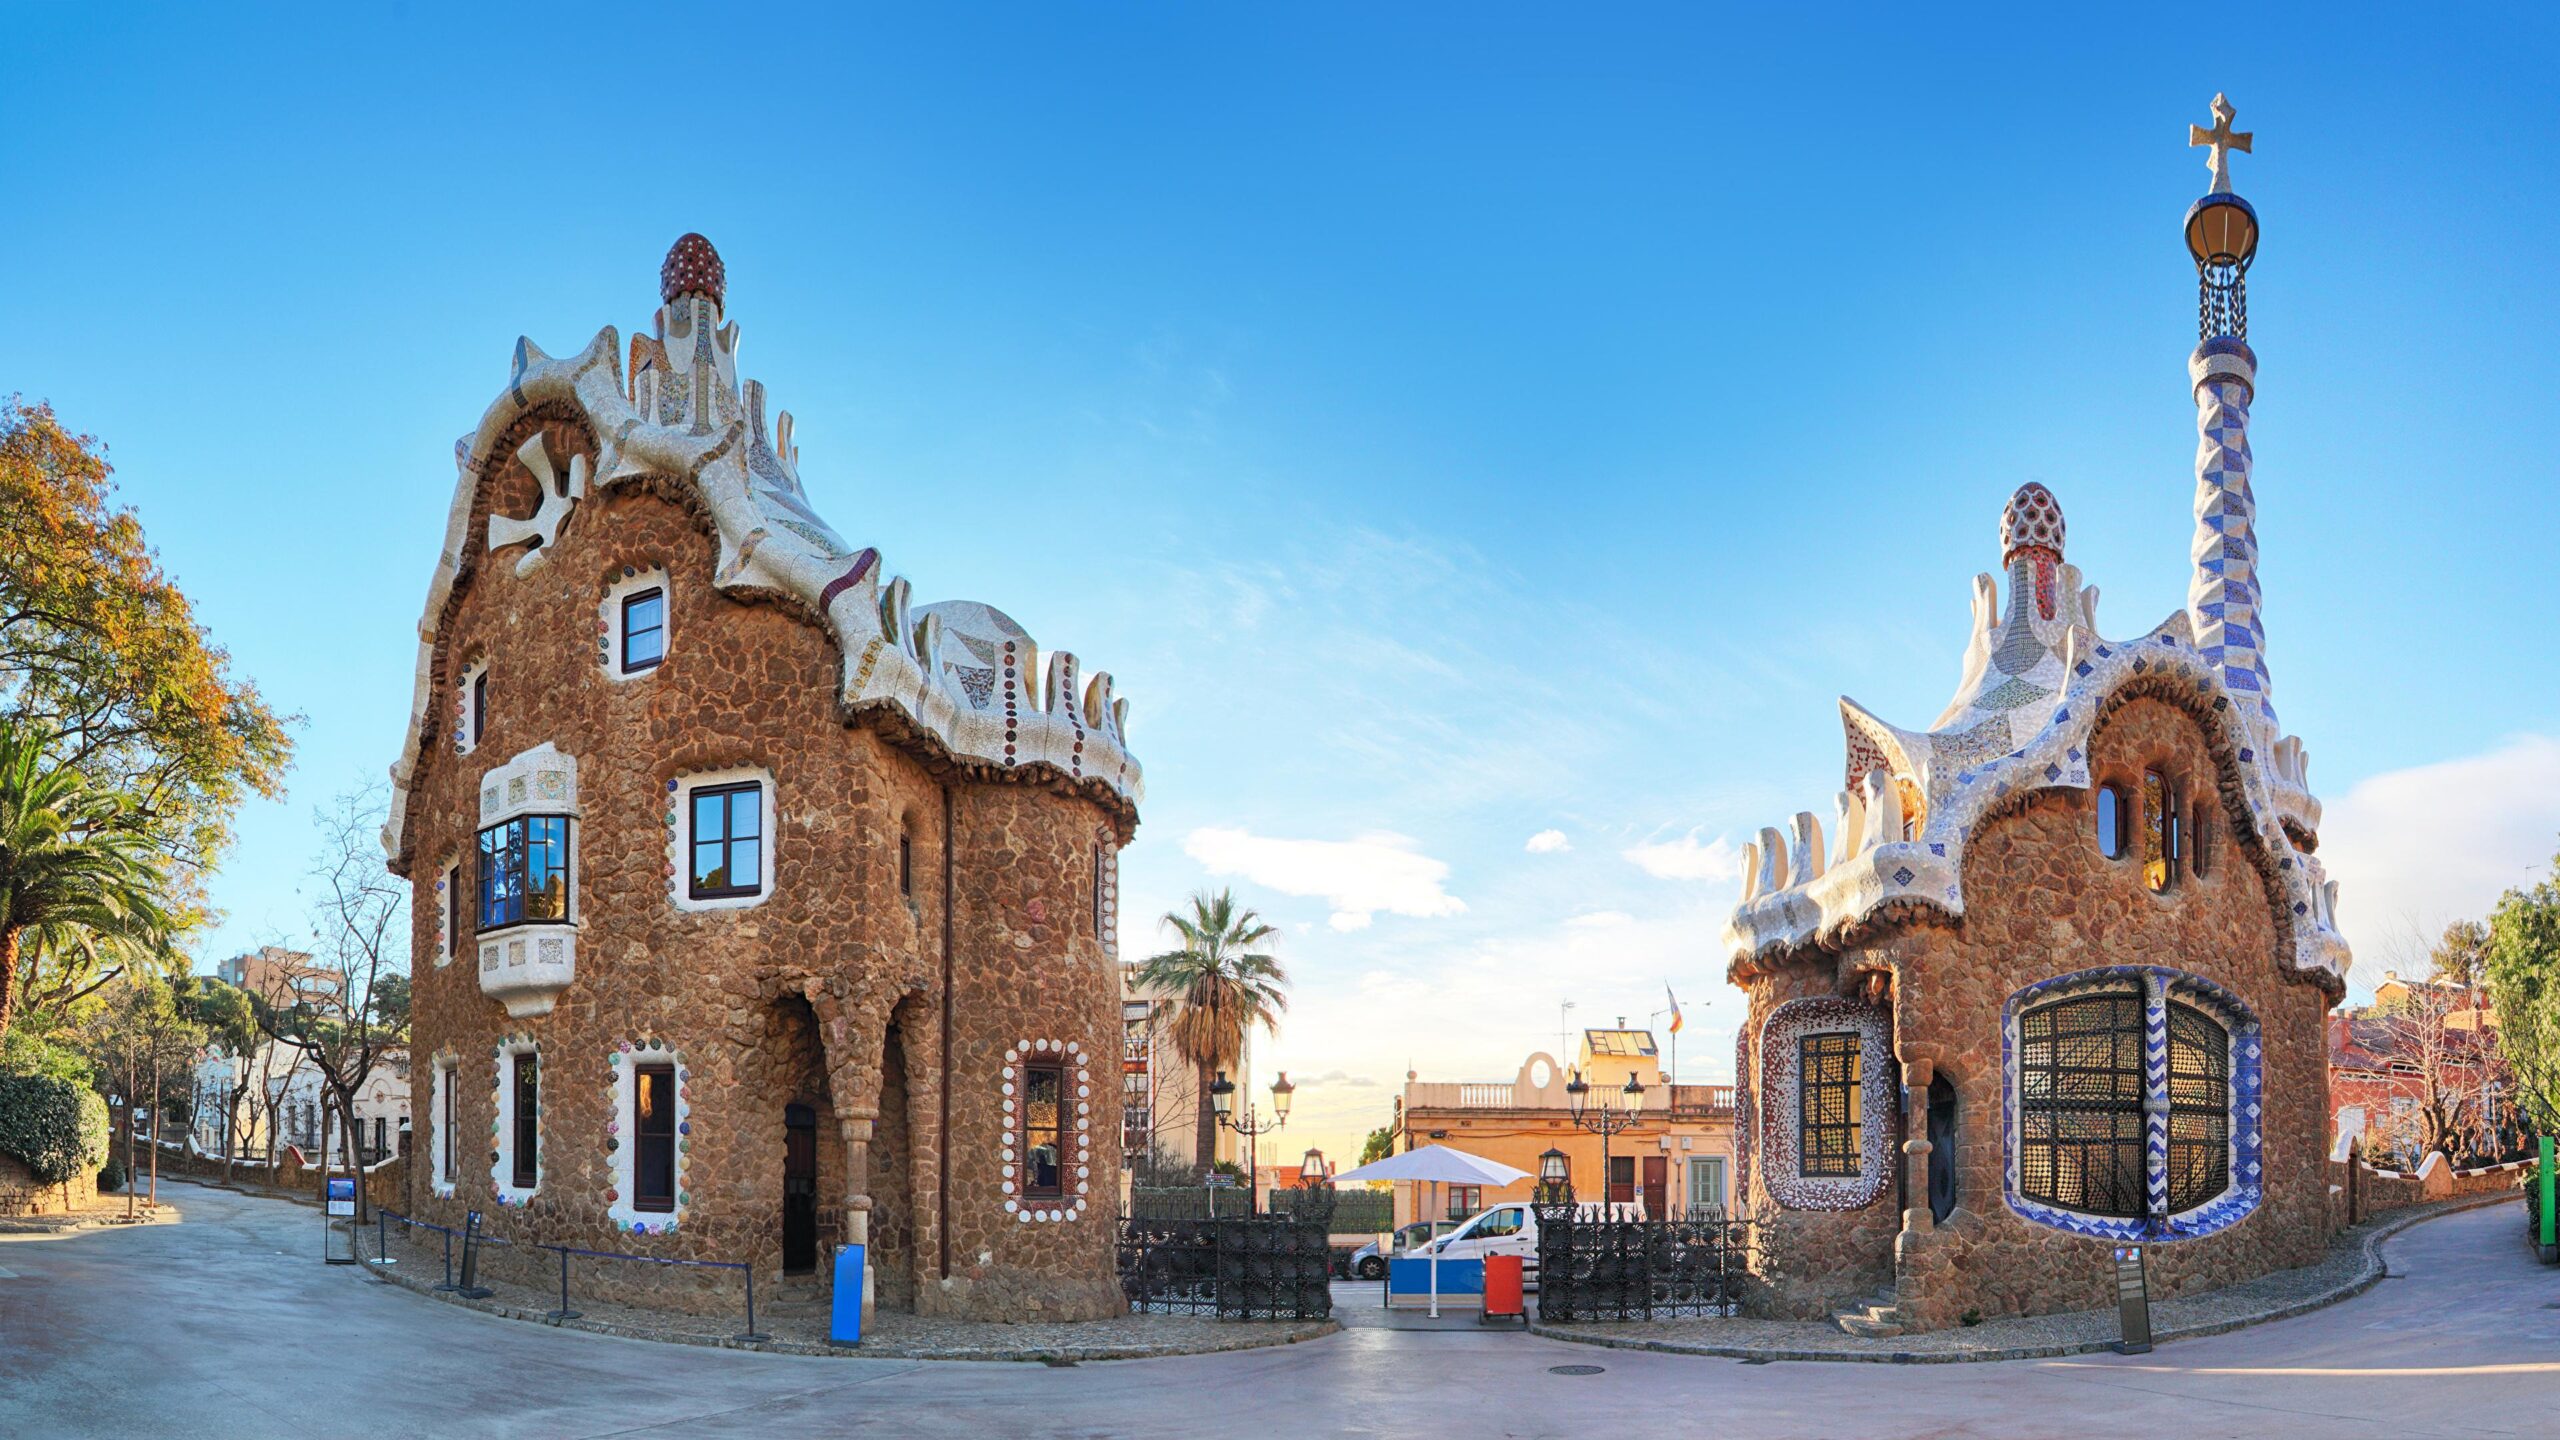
[
  {"x": 693, "y": 268},
  {"x": 2032, "y": 520}
]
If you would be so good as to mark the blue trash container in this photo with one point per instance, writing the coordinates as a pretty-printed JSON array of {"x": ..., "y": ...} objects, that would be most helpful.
[{"x": 844, "y": 1327}]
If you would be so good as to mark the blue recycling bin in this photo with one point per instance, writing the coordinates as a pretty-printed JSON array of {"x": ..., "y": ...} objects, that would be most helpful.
[{"x": 844, "y": 1326}]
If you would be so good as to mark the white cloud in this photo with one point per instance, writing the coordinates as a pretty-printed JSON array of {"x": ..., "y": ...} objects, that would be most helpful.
[
  {"x": 1548, "y": 842},
  {"x": 2420, "y": 847},
  {"x": 1687, "y": 859},
  {"x": 1357, "y": 877},
  {"x": 1601, "y": 920}
]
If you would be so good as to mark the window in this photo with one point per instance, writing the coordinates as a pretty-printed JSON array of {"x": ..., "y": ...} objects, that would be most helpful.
[
  {"x": 1097, "y": 891},
  {"x": 1044, "y": 1085},
  {"x": 644, "y": 630},
  {"x": 444, "y": 1098},
  {"x": 653, "y": 1140},
  {"x": 2159, "y": 832},
  {"x": 1503, "y": 1221},
  {"x": 1622, "y": 1179},
  {"x": 907, "y": 865},
  {"x": 2080, "y": 1126},
  {"x": 524, "y": 871},
  {"x": 2197, "y": 829},
  {"x": 528, "y": 1108},
  {"x": 450, "y": 913},
  {"x": 727, "y": 841},
  {"x": 1828, "y": 1088},
  {"x": 2199, "y": 1107},
  {"x": 479, "y": 704},
  {"x": 2111, "y": 822},
  {"x": 1465, "y": 1200}
]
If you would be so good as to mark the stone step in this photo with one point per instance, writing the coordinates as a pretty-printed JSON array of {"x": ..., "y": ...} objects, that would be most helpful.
[{"x": 1869, "y": 1326}]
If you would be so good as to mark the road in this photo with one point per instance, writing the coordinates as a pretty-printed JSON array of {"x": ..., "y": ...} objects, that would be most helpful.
[{"x": 228, "y": 1325}]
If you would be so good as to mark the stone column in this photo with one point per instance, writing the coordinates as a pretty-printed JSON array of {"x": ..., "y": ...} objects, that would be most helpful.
[
  {"x": 856, "y": 1122},
  {"x": 1916, "y": 1075},
  {"x": 2155, "y": 1097}
]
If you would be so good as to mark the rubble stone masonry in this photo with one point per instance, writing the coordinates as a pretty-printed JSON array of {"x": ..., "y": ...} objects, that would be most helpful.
[{"x": 888, "y": 1011}]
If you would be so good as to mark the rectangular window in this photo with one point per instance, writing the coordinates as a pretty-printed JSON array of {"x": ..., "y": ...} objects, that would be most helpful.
[
  {"x": 524, "y": 871},
  {"x": 444, "y": 1123},
  {"x": 1830, "y": 1094},
  {"x": 2199, "y": 1107},
  {"x": 653, "y": 1142},
  {"x": 479, "y": 706},
  {"x": 728, "y": 841},
  {"x": 2196, "y": 832},
  {"x": 1465, "y": 1200},
  {"x": 644, "y": 630},
  {"x": 2159, "y": 832},
  {"x": 1099, "y": 860},
  {"x": 906, "y": 865},
  {"x": 452, "y": 910},
  {"x": 2080, "y": 1092},
  {"x": 528, "y": 1100},
  {"x": 379, "y": 1136},
  {"x": 1044, "y": 1085}
]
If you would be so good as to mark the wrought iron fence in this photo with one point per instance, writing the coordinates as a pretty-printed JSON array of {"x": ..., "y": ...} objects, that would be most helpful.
[
  {"x": 1592, "y": 1268},
  {"x": 1274, "y": 1266}
]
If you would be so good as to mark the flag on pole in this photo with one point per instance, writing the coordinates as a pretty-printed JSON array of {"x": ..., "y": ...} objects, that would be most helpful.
[{"x": 1675, "y": 1008}]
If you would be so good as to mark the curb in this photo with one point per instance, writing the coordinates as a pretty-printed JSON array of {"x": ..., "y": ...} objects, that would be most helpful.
[
  {"x": 2371, "y": 1274},
  {"x": 1052, "y": 1355}
]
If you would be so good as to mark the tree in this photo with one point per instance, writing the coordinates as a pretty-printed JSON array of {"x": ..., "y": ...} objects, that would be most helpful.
[
  {"x": 1380, "y": 1144},
  {"x": 1221, "y": 988},
  {"x": 230, "y": 1022},
  {"x": 2461, "y": 956},
  {"x": 141, "y": 1042},
  {"x": 2522, "y": 971},
  {"x": 99, "y": 649},
  {"x": 72, "y": 873},
  {"x": 351, "y": 1006}
]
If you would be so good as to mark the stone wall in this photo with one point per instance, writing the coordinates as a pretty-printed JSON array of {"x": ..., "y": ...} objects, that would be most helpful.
[
  {"x": 831, "y": 992},
  {"x": 2042, "y": 902},
  {"x": 1807, "y": 1263},
  {"x": 22, "y": 1194}
]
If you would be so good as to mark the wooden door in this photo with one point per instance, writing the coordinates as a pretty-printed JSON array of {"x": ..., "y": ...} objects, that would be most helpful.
[
  {"x": 1657, "y": 1186},
  {"x": 799, "y": 1190}
]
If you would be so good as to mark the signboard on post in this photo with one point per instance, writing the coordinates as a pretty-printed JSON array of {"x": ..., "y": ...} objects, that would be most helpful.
[
  {"x": 2133, "y": 1302},
  {"x": 340, "y": 1205},
  {"x": 471, "y": 1287}
]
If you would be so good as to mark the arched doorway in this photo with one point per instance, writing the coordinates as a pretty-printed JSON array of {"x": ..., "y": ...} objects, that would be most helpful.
[{"x": 799, "y": 1189}]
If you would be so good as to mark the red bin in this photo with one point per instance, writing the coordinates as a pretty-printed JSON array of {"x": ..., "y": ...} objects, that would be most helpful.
[{"x": 1502, "y": 1288}]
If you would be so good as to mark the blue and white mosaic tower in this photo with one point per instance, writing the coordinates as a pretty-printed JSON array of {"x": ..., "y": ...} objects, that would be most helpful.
[{"x": 2223, "y": 596}]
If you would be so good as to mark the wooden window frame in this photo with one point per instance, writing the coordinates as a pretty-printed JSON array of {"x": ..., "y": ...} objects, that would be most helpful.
[
  {"x": 694, "y": 841},
  {"x": 1847, "y": 1163},
  {"x": 622, "y": 650},
  {"x": 524, "y": 1167},
  {"x": 647, "y": 1140},
  {"x": 518, "y": 856},
  {"x": 480, "y": 705},
  {"x": 1054, "y": 1068},
  {"x": 447, "y": 1092}
]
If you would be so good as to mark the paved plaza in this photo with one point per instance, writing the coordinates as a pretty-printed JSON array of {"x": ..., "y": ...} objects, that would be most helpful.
[{"x": 227, "y": 1324}]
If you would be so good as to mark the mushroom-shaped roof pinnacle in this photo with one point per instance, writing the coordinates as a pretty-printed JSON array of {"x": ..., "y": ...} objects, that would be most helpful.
[
  {"x": 693, "y": 268},
  {"x": 2032, "y": 520}
]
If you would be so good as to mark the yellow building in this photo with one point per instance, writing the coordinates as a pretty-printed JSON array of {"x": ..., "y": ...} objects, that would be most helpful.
[{"x": 1676, "y": 1157}]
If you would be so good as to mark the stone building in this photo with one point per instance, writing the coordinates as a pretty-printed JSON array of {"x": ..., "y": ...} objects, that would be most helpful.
[
  {"x": 757, "y": 906},
  {"x": 2057, "y": 980}
]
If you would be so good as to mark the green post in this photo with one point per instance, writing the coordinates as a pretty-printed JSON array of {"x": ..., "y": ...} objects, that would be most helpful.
[{"x": 2542, "y": 1176}]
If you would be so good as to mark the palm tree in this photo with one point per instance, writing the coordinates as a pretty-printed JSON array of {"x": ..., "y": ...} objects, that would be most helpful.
[
  {"x": 70, "y": 872},
  {"x": 1221, "y": 987}
]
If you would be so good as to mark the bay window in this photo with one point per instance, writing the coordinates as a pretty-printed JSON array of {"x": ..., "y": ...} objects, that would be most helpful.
[{"x": 524, "y": 872}]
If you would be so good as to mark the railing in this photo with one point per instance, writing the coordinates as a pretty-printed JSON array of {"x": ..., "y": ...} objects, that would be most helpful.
[
  {"x": 472, "y": 1236},
  {"x": 1504, "y": 1095},
  {"x": 1594, "y": 1269},
  {"x": 1241, "y": 1267}
]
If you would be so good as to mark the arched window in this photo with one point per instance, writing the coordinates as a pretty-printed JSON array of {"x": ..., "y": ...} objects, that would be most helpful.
[
  {"x": 2080, "y": 1090},
  {"x": 2111, "y": 826},
  {"x": 2199, "y": 1107},
  {"x": 2159, "y": 832},
  {"x": 2197, "y": 830}
]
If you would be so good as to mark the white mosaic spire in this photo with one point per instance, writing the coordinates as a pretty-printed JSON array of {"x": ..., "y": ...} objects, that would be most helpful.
[{"x": 2224, "y": 601}]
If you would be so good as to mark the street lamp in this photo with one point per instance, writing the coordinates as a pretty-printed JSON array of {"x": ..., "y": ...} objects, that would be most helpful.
[
  {"x": 1555, "y": 1177},
  {"x": 1222, "y": 1103},
  {"x": 1605, "y": 1120},
  {"x": 1313, "y": 1171}
]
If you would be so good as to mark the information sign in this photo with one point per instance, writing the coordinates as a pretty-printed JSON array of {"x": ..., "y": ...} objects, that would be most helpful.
[
  {"x": 342, "y": 1196},
  {"x": 2133, "y": 1301}
]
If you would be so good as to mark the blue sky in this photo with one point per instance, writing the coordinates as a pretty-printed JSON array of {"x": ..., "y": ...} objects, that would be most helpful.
[{"x": 1449, "y": 424}]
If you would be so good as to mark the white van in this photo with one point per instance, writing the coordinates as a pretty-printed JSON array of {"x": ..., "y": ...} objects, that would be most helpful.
[{"x": 1510, "y": 1229}]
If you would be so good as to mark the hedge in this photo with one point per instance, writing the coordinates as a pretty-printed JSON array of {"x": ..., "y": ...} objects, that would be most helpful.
[{"x": 56, "y": 1128}]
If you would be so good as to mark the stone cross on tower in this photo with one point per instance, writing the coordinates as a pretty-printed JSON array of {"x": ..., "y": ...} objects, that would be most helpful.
[{"x": 2223, "y": 140}]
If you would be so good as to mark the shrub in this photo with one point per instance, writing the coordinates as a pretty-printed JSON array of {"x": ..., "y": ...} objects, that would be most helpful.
[
  {"x": 54, "y": 1127},
  {"x": 111, "y": 1174}
]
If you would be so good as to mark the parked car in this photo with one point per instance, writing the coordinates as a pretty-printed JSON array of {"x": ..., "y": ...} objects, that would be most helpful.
[{"x": 1368, "y": 1264}]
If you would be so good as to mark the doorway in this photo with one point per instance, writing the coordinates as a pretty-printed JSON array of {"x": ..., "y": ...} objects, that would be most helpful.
[
  {"x": 1657, "y": 1187},
  {"x": 1942, "y": 1149},
  {"x": 799, "y": 1189}
]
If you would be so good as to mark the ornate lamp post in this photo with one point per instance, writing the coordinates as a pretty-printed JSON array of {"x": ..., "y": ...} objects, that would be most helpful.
[
  {"x": 1555, "y": 1178},
  {"x": 1222, "y": 1101},
  {"x": 1604, "y": 1120}
]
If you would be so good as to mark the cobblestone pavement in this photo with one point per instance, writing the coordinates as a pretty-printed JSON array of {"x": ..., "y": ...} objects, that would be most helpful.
[{"x": 226, "y": 1324}]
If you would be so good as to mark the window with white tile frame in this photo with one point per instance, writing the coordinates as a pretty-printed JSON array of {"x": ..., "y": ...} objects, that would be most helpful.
[
  {"x": 471, "y": 707},
  {"x": 721, "y": 838},
  {"x": 635, "y": 622}
]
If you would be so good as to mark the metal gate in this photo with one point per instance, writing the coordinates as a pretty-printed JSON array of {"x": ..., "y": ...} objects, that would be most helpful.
[
  {"x": 1275, "y": 1266},
  {"x": 1594, "y": 1269}
]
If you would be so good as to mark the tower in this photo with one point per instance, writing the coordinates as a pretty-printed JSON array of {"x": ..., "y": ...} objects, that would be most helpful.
[{"x": 2223, "y": 596}]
